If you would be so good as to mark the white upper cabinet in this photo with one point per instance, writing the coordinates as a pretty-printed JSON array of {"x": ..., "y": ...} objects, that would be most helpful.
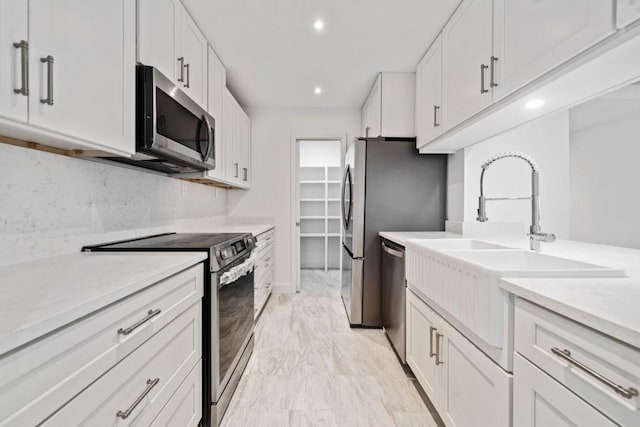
[
  {"x": 14, "y": 40},
  {"x": 371, "y": 110},
  {"x": 467, "y": 41},
  {"x": 429, "y": 94},
  {"x": 628, "y": 11},
  {"x": 390, "y": 107},
  {"x": 216, "y": 83},
  {"x": 81, "y": 74},
  {"x": 531, "y": 37},
  {"x": 245, "y": 159},
  {"x": 170, "y": 40},
  {"x": 193, "y": 48},
  {"x": 157, "y": 35},
  {"x": 228, "y": 129}
]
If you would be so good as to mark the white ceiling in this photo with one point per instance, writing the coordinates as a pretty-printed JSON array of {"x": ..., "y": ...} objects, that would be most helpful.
[{"x": 274, "y": 57}]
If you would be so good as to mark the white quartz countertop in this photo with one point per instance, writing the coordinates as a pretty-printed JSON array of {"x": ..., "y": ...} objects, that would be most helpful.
[
  {"x": 254, "y": 229},
  {"x": 40, "y": 296},
  {"x": 608, "y": 305},
  {"x": 401, "y": 237}
]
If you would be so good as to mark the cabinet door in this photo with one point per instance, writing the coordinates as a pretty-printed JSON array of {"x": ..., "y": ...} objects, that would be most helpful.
[
  {"x": 467, "y": 47},
  {"x": 531, "y": 37},
  {"x": 193, "y": 48},
  {"x": 421, "y": 345},
  {"x": 86, "y": 89},
  {"x": 246, "y": 148},
  {"x": 157, "y": 35},
  {"x": 13, "y": 30},
  {"x": 628, "y": 11},
  {"x": 476, "y": 388},
  {"x": 215, "y": 92},
  {"x": 237, "y": 143},
  {"x": 228, "y": 130},
  {"x": 375, "y": 108},
  {"x": 429, "y": 95},
  {"x": 540, "y": 401}
]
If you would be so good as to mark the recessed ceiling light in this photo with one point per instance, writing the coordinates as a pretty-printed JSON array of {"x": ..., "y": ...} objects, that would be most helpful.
[
  {"x": 317, "y": 90},
  {"x": 318, "y": 24},
  {"x": 534, "y": 104}
]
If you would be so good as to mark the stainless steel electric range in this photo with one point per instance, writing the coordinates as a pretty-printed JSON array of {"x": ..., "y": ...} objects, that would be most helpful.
[{"x": 228, "y": 298}]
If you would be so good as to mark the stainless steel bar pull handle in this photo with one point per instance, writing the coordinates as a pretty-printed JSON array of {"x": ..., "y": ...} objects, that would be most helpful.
[
  {"x": 181, "y": 62},
  {"x": 49, "y": 61},
  {"x": 492, "y": 80},
  {"x": 150, "y": 314},
  {"x": 24, "y": 65},
  {"x": 438, "y": 361},
  {"x": 436, "y": 110},
  {"x": 396, "y": 253},
  {"x": 150, "y": 385},
  {"x": 622, "y": 391},
  {"x": 235, "y": 165},
  {"x": 431, "y": 331},
  {"x": 482, "y": 69},
  {"x": 186, "y": 66},
  {"x": 245, "y": 172}
]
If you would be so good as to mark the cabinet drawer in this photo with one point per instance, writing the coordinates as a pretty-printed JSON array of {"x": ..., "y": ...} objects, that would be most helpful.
[
  {"x": 263, "y": 277},
  {"x": 264, "y": 239},
  {"x": 41, "y": 377},
  {"x": 540, "y": 401},
  {"x": 599, "y": 369},
  {"x": 185, "y": 406},
  {"x": 149, "y": 377},
  {"x": 264, "y": 266}
]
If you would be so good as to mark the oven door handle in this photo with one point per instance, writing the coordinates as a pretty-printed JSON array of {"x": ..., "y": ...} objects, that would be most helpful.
[{"x": 234, "y": 273}]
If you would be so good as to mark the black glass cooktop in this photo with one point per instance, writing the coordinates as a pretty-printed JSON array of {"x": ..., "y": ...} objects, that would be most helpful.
[{"x": 169, "y": 242}]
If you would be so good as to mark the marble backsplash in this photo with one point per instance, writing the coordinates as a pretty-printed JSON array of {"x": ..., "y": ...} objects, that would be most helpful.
[{"x": 52, "y": 204}]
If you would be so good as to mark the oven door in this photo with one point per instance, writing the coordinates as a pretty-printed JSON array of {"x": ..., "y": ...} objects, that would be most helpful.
[
  {"x": 231, "y": 324},
  {"x": 170, "y": 124}
]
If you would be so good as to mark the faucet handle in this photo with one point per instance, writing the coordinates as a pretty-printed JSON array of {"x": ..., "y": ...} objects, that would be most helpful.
[{"x": 482, "y": 214}]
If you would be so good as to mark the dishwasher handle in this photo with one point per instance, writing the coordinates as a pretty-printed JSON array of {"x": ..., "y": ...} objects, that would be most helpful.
[{"x": 391, "y": 251}]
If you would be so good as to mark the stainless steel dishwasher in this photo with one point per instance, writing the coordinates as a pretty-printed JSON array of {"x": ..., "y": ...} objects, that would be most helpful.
[{"x": 393, "y": 296}]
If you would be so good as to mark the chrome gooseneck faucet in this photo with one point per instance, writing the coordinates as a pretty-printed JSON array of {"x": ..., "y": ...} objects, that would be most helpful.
[{"x": 535, "y": 231}]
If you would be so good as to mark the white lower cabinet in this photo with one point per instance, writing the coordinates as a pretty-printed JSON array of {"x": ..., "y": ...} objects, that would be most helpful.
[
  {"x": 136, "y": 390},
  {"x": 465, "y": 386},
  {"x": 185, "y": 407},
  {"x": 581, "y": 362},
  {"x": 263, "y": 274},
  {"x": 540, "y": 401},
  {"x": 421, "y": 334},
  {"x": 88, "y": 371}
]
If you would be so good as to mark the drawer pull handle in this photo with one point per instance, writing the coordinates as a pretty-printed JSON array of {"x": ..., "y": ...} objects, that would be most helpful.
[
  {"x": 150, "y": 385},
  {"x": 624, "y": 392},
  {"x": 431, "y": 330},
  {"x": 150, "y": 314}
]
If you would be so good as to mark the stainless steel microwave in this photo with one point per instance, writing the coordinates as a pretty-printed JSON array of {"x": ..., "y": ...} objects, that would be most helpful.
[{"x": 173, "y": 133}]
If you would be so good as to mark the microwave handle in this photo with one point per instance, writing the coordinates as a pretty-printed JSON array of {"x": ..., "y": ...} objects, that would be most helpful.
[{"x": 209, "y": 137}]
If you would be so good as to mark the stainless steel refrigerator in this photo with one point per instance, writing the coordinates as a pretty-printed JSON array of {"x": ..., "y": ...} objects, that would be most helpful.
[{"x": 387, "y": 186}]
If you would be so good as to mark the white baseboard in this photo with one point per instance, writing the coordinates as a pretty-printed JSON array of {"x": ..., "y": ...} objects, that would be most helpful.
[{"x": 283, "y": 288}]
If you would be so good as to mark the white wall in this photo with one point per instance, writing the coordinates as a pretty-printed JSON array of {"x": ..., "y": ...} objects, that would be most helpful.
[
  {"x": 547, "y": 141},
  {"x": 605, "y": 169},
  {"x": 272, "y": 130},
  {"x": 52, "y": 204},
  {"x": 320, "y": 153}
]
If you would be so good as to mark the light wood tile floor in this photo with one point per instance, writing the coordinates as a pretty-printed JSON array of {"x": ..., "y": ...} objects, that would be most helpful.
[{"x": 310, "y": 369}]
